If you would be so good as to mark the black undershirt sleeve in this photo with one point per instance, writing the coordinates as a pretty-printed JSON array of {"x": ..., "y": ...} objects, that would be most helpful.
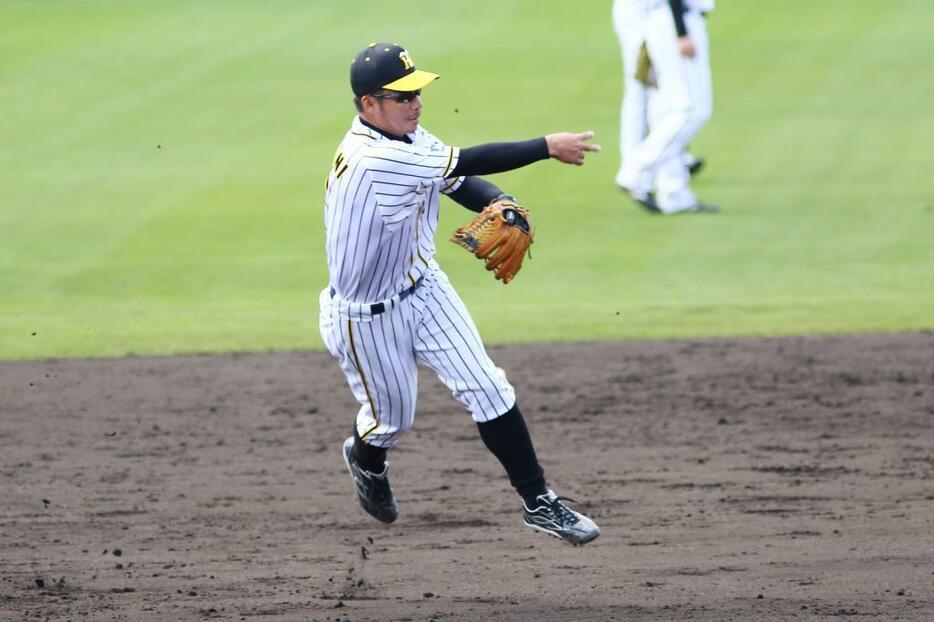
[
  {"x": 677, "y": 11},
  {"x": 475, "y": 193},
  {"x": 492, "y": 158}
]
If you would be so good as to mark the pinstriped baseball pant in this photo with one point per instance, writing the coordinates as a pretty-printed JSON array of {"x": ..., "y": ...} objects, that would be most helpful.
[{"x": 379, "y": 356}]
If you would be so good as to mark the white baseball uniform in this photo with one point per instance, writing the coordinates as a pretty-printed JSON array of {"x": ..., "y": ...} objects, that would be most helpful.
[
  {"x": 388, "y": 305},
  {"x": 629, "y": 22},
  {"x": 684, "y": 103}
]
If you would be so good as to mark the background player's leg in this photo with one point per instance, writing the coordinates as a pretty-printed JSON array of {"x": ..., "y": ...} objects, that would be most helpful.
[
  {"x": 673, "y": 178},
  {"x": 673, "y": 184},
  {"x": 699, "y": 76},
  {"x": 632, "y": 116}
]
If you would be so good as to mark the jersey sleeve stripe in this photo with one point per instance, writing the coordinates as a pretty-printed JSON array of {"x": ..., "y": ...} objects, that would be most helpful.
[
  {"x": 450, "y": 165},
  {"x": 452, "y": 185}
]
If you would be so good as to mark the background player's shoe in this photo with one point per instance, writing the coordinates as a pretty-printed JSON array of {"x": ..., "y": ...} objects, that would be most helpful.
[
  {"x": 373, "y": 489},
  {"x": 694, "y": 164},
  {"x": 698, "y": 208},
  {"x": 646, "y": 200},
  {"x": 553, "y": 517}
]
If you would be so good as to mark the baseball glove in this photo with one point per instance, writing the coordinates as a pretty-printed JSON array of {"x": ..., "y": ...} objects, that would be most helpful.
[
  {"x": 500, "y": 235},
  {"x": 645, "y": 71}
]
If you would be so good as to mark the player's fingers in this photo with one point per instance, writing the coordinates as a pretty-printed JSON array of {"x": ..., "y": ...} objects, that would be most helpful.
[
  {"x": 586, "y": 135},
  {"x": 590, "y": 147}
]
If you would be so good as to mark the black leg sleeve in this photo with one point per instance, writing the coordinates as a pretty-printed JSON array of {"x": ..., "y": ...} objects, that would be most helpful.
[
  {"x": 368, "y": 457},
  {"x": 508, "y": 438}
]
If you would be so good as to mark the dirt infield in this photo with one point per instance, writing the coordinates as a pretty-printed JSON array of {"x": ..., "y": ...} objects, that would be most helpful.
[{"x": 733, "y": 480}]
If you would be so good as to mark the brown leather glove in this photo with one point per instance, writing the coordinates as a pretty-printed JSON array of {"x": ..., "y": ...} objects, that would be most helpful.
[{"x": 500, "y": 235}]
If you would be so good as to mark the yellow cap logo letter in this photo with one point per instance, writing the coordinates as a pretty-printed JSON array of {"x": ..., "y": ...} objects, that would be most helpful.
[{"x": 406, "y": 60}]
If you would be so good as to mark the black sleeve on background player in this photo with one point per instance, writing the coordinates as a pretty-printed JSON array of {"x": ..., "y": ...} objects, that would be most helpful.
[
  {"x": 492, "y": 158},
  {"x": 475, "y": 193},
  {"x": 677, "y": 11}
]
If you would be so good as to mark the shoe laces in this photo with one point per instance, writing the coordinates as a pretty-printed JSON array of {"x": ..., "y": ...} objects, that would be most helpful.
[
  {"x": 378, "y": 484},
  {"x": 563, "y": 513}
]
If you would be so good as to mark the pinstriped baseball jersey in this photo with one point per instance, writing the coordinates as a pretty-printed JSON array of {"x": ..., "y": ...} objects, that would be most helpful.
[
  {"x": 381, "y": 210},
  {"x": 389, "y": 307}
]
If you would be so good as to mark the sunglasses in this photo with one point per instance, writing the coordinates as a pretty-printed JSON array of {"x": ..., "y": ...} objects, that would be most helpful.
[{"x": 403, "y": 97}]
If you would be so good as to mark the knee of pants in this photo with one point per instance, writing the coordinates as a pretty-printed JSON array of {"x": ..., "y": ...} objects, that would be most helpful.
[
  {"x": 696, "y": 121},
  {"x": 700, "y": 115},
  {"x": 386, "y": 429},
  {"x": 401, "y": 417},
  {"x": 680, "y": 116},
  {"x": 394, "y": 433},
  {"x": 407, "y": 420}
]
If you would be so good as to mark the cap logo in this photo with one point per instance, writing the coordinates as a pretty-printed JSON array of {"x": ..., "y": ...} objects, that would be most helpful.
[{"x": 406, "y": 60}]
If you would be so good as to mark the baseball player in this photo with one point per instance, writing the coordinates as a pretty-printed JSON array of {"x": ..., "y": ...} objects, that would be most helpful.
[
  {"x": 389, "y": 307},
  {"x": 656, "y": 171},
  {"x": 629, "y": 22}
]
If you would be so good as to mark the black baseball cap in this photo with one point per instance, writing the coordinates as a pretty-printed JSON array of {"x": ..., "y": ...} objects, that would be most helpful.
[{"x": 386, "y": 66}]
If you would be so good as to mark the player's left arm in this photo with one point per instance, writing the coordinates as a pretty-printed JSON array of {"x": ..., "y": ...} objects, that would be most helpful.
[
  {"x": 490, "y": 158},
  {"x": 475, "y": 193}
]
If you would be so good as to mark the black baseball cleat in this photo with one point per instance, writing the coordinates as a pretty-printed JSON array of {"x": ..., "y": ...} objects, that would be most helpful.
[
  {"x": 373, "y": 489},
  {"x": 553, "y": 517},
  {"x": 646, "y": 200},
  {"x": 695, "y": 166}
]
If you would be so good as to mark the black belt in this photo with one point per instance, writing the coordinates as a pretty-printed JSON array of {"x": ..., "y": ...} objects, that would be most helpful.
[{"x": 380, "y": 307}]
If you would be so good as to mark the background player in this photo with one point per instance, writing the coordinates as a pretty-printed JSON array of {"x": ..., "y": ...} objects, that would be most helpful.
[
  {"x": 389, "y": 306},
  {"x": 629, "y": 23},
  {"x": 675, "y": 34}
]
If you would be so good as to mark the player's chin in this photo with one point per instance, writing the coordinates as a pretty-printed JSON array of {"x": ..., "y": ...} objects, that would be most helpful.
[{"x": 411, "y": 125}]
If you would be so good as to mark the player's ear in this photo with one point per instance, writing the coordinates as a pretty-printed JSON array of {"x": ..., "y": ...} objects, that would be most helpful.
[{"x": 367, "y": 103}]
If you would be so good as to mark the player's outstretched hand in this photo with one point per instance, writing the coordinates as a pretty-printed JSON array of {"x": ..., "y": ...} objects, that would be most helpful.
[{"x": 569, "y": 147}]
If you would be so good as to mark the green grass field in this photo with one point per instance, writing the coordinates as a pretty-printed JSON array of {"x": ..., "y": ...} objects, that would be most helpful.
[{"x": 162, "y": 170}]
